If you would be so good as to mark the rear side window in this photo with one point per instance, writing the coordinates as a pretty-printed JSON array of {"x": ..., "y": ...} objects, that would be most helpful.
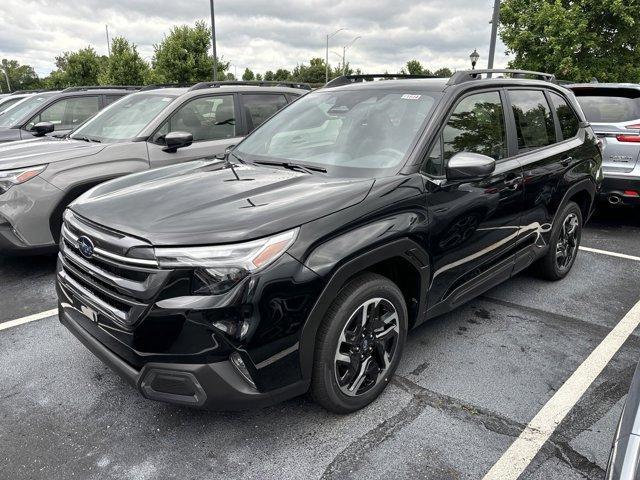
[
  {"x": 609, "y": 105},
  {"x": 534, "y": 122},
  {"x": 259, "y": 107},
  {"x": 569, "y": 123}
]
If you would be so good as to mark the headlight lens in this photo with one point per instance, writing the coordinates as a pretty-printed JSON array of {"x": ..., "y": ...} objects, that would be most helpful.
[
  {"x": 220, "y": 267},
  {"x": 9, "y": 178}
]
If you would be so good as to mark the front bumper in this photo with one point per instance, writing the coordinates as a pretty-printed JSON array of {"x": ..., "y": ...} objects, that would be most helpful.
[
  {"x": 216, "y": 386},
  {"x": 614, "y": 188}
]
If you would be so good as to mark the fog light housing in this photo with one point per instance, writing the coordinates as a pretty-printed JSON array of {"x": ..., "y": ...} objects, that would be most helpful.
[{"x": 238, "y": 363}]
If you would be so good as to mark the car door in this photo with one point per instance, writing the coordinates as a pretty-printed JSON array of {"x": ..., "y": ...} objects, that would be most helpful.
[
  {"x": 473, "y": 225},
  {"x": 258, "y": 107},
  {"x": 65, "y": 114},
  {"x": 211, "y": 119},
  {"x": 545, "y": 155}
]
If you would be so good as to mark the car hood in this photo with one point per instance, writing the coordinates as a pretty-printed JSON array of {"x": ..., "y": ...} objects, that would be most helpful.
[
  {"x": 44, "y": 150},
  {"x": 206, "y": 203}
]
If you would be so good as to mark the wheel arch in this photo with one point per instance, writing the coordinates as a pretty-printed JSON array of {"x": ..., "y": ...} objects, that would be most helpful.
[{"x": 394, "y": 260}]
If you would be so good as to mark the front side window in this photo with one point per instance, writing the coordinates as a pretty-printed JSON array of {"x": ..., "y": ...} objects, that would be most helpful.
[
  {"x": 206, "y": 118},
  {"x": 534, "y": 122},
  {"x": 12, "y": 115},
  {"x": 124, "y": 119},
  {"x": 475, "y": 125},
  {"x": 569, "y": 123},
  {"x": 359, "y": 132},
  {"x": 67, "y": 113},
  {"x": 259, "y": 107}
]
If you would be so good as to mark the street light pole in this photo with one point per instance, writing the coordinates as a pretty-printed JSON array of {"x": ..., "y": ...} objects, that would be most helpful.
[
  {"x": 326, "y": 59},
  {"x": 106, "y": 29},
  {"x": 7, "y": 78},
  {"x": 344, "y": 53},
  {"x": 494, "y": 33},
  {"x": 213, "y": 43}
]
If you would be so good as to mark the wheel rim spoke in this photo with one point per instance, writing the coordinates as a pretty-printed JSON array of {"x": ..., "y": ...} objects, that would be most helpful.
[{"x": 566, "y": 247}]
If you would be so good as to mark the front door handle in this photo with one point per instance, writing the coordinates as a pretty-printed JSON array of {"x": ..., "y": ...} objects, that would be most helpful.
[
  {"x": 513, "y": 182},
  {"x": 566, "y": 161}
]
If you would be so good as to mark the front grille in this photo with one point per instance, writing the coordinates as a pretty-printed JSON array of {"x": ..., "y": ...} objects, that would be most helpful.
[{"x": 120, "y": 280}]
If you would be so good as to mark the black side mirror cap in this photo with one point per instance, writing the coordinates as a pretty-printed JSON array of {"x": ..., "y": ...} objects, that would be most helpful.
[
  {"x": 469, "y": 167},
  {"x": 176, "y": 140},
  {"x": 40, "y": 129}
]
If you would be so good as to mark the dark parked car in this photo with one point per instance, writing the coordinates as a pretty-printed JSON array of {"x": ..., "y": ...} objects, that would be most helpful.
[
  {"x": 300, "y": 260},
  {"x": 60, "y": 112},
  {"x": 149, "y": 129},
  {"x": 613, "y": 109}
]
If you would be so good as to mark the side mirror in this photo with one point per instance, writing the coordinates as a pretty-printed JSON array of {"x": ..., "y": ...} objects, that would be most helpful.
[
  {"x": 468, "y": 167},
  {"x": 42, "y": 128},
  {"x": 176, "y": 140}
]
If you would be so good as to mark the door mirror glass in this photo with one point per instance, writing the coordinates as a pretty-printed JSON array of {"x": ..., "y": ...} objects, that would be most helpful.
[
  {"x": 176, "y": 140},
  {"x": 468, "y": 166},
  {"x": 42, "y": 128}
]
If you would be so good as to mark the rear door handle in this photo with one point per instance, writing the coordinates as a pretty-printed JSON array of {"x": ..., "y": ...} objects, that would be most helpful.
[
  {"x": 566, "y": 161},
  {"x": 513, "y": 182}
]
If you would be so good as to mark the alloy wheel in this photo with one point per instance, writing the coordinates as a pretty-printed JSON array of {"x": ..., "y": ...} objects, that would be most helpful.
[
  {"x": 367, "y": 346},
  {"x": 567, "y": 245}
]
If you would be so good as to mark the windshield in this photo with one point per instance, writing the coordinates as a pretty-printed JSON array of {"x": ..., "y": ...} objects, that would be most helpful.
[
  {"x": 24, "y": 107},
  {"x": 356, "y": 131},
  {"x": 5, "y": 103},
  {"x": 609, "y": 105},
  {"x": 124, "y": 119}
]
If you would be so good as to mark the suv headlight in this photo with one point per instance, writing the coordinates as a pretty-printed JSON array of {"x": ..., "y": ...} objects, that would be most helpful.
[
  {"x": 220, "y": 267},
  {"x": 9, "y": 178}
]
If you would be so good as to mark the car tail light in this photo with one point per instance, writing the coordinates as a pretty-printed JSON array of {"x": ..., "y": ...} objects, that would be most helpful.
[
  {"x": 631, "y": 193},
  {"x": 628, "y": 138}
]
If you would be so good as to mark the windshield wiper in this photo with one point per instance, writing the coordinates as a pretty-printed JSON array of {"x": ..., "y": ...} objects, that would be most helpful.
[
  {"x": 87, "y": 139},
  {"x": 295, "y": 166}
]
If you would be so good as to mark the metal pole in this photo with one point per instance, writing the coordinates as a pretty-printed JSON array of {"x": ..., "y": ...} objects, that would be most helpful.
[
  {"x": 494, "y": 33},
  {"x": 213, "y": 42},
  {"x": 326, "y": 62},
  {"x": 106, "y": 29},
  {"x": 7, "y": 77}
]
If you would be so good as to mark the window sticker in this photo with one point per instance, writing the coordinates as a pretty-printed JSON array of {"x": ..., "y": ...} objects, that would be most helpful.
[{"x": 408, "y": 96}]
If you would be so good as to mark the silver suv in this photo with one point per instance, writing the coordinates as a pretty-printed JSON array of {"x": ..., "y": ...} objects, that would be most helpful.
[
  {"x": 614, "y": 112},
  {"x": 145, "y": 130}
]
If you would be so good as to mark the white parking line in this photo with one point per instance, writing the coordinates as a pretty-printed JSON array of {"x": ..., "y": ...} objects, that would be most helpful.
[
  {"x": 611, "y": 254},
  {"x": 30, "y": 318},
  {"x": 522, "y": 451}
]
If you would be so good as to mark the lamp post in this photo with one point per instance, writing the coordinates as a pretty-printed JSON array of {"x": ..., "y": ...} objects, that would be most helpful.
[
  {"x": 213, "y": 43},
  {"x": 326, "y": 60},
  {"x": 475, "y": 56},
  {"x": 344, "y": 54},
  {"x": 6, "y": 76}
]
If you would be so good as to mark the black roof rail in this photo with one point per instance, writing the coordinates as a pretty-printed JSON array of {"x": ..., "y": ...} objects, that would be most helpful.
[
  {"x": 101, "y": 87},
  {"x": 156, "y": 86},
  {"x": 252, "y": 83},
  {"x": 469, "y": 75},
  {"x": 368, "y": 77},
  {"x": 39, "y": 90}
]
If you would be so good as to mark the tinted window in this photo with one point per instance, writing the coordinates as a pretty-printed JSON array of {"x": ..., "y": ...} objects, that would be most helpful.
[
  {"x": 259, "y": 107},
  {"x": 434, "y": 164},
  {"x": 206, "y": 118},
  {"x": 109, "y": 99},
  {"x": 476, "y": 125},
  {"x": 609, "y": 105},
  {"x": 567, "y": 118},
  {"x": 534, "y": 122},
  {"x": 66, "y": 114}
]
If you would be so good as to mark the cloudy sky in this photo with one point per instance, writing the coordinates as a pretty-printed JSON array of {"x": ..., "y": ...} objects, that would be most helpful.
[{"x": 260, "y": 34}]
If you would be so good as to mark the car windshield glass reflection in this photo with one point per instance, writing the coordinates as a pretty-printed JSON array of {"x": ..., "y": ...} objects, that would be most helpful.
[
  {"x": 357, "y": 131},
  {"x": 124, "y": 119},
  {"x": 21, "y": 109}
]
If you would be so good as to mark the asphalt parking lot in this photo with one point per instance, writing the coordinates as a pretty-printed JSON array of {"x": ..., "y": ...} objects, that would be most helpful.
[{"x": 468, "y": 385}]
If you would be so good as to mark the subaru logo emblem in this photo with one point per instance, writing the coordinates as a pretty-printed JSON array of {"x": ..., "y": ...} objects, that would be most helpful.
[{"x": 85, "y": 245}]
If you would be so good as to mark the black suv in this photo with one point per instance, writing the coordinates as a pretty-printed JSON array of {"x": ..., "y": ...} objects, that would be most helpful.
[
  {"x": 299, "y": 261},
  {"x": 56, "y": 111}
]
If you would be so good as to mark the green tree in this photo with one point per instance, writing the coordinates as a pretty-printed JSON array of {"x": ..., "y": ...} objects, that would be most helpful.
[
  {"x": 414, "y": 67},
  {"x": 76, "y": 68},
  {"x": 259, "y": 77},
  {"x": 281, "y": 75},
  {"x": 248, "y": 75},
  {"x": 577, "y": 40},
  {"x": 443, "y": 72},
  {"x": 21, "y": 77},
  {"x": 124, "y": 66},
  {"x": 183, "y": 55},
  {"x": 269, "y": 76},
  {"x": 230, "y": 76},
  {"x": 313, "y": 73}
]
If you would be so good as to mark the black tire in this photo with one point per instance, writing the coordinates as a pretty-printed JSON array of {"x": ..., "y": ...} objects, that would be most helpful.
[
  {"x": 553, "y": 266},
  {"x": 325, "y": 388}
]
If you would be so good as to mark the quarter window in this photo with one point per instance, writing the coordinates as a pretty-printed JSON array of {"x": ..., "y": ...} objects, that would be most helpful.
[
  {"x": 534, "y": 122},
  {"x": 206, "y": 118},
  {"x": 259, "y": 107},
  {"x": 569, "y": 123},
  {"x": 68, "y": 113}
]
